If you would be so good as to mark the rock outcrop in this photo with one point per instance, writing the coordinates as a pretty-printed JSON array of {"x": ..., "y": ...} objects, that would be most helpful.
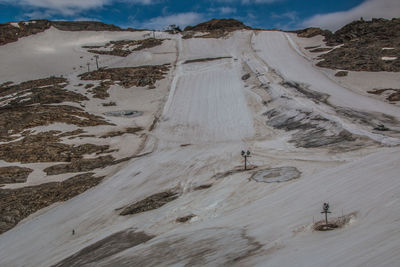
[{"x": 366, "y": 46}]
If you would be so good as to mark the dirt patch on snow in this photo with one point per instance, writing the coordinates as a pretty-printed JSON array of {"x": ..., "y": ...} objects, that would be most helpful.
[
  {"x": 202, "y": 187},
  {"x": 311, "y": 130},
  {"x": 335, "y": 223},
  {"x": 185, "y": 219},
  {"x": 371, "y": 119},
  {"x": 306, "y": 91},
  {"x": 204, "y": 59},
  {"x": 236, "y": 170},
  {"x": 130, "y": 130},
  {"x": 205, "y": 247},
  {"x": 150, "y": 203},
  {"x": 124, "y": 113},
  {"x": 14, "y": 174},
  {"x": 17, "y": 204},
  {"x": 276, "y": 175},
  {"x": 105, "y": 248}
]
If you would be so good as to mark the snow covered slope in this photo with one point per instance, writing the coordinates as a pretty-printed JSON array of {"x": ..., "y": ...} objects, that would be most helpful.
[{"x": 288, "y": 113}]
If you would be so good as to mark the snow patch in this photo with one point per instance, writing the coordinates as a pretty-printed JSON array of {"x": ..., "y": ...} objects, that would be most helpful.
[{"x": 389, "y": 58}]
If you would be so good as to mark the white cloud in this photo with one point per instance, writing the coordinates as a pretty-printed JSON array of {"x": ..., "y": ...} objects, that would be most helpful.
[
  {"x": 368, "y": 9},
  {"x": 65, "y": 7},
  {"x": 180, "y": 19},
  {"x": 225, "y": 10}
]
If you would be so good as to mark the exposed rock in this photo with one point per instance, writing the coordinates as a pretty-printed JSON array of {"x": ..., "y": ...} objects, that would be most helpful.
[
  {"x": 109, "y": 104},
  {"x": 80, "y": 165},
  {"x": 202, "y": 187},
  {"x": 393, "y": 96},
  {"x": 42, "y": 91},
  {"x": 14, "y": 174},
  {"x": 45, "y": 147},
  {"x": 17, "y": 204},
  {"x": 311, "y": 32},
  {"x": 303, "y": 89},
  {"x": 125, "y": 47},
  {"x": 218, "y": 24},
  {"x": 8, "y": 87},
  {"x": 10, "y": 33},
  {"x": 185, "y": 218},
  {"x": 129, "y": 76},
  {"x": 150, "y": 203},
  {"x": 246, "y": 76},
  {"x": 215, "y": 28},
  {"x": 363, "y": 46},
  {"x": 341, "y": 73},
  {"x": 124, "y": 113},
  {"x": 85, "y": 26},
  {"x": 130, "y": 130},
  {"x": 15, "y": 120},
  {"x": 101, "y": 91},
  {"x": 106, "y": 247}
]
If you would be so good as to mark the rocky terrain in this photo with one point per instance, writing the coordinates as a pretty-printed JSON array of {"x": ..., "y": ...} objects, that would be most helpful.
[
  {"x": 14, "y": 174},
  {"x": 125, "y": 47},
  {"x": 127, "y": 77},
  {"x": 363, "y": 46},
  {"x": 215, "y": 28}
]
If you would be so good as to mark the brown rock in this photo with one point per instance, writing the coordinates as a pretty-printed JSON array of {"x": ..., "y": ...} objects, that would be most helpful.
[{"x": 14, "y": 174}]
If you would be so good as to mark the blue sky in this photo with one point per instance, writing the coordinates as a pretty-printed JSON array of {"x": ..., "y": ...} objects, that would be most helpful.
[{"x": 156, "y": 14}]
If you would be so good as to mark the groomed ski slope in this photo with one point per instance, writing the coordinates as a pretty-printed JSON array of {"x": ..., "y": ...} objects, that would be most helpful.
[{"x": 238, "y": 221}]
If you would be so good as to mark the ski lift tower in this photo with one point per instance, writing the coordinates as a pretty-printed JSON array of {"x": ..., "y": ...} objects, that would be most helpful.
[
  {"x": 97, "y": 62},
  {"x": 245, "y": 154},
  {"x": 325, "y": 209}
]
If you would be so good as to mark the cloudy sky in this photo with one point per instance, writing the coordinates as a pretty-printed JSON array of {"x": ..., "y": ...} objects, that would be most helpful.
[{"x": 156, "y": 14}]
